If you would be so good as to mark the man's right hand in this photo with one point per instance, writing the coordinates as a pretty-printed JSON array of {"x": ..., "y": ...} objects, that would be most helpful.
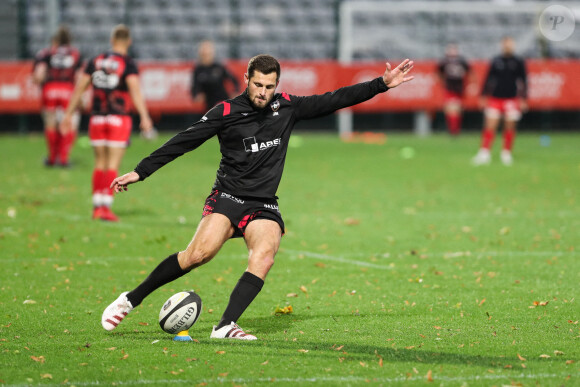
[{"x": 120, "y": 183}]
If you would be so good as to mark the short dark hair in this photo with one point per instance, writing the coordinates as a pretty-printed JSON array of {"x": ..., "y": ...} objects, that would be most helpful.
[
  {"x": 62, "y": 36},
  {"x": 121, "y": 32},
  {"x": 265, "y": 64}
]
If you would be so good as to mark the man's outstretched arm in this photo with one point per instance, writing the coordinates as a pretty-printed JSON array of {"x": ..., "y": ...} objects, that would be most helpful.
[
  {"x": 179, "y": 144},
  {"x": 320, "y": 105}
]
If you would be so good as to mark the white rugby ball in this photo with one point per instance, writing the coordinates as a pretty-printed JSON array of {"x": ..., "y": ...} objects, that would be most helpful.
[{"x": 180, "y": 312}]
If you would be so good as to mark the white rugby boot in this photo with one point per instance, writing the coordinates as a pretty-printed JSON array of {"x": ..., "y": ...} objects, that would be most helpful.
[
  {"x": 506, "y": 157},
  {"x": 483, "y": 157},
  {"x": 116, "y": 312},
  {"x": 231, "y": 331}
]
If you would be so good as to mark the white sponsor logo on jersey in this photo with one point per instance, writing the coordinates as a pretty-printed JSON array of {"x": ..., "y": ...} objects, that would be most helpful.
[{"x": 251, "y": 145}]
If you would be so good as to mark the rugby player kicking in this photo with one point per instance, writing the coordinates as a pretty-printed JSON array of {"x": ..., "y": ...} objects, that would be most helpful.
[{"x": 253, "y": 131}]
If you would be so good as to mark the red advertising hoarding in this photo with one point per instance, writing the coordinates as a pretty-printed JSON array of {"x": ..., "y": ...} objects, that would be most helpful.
[{"x": 553, "y": 85}]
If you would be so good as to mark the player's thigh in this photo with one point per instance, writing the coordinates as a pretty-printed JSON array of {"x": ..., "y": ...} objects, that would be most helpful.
[
  {"x": 263, "y": 238},
  {"x": 114, "y": 157},
  {"x": 491, "y": 122},
  {"x": 211, "y": 234},
  {"x": 49, "y": 119},
  {"x": 100, "y": 152}
]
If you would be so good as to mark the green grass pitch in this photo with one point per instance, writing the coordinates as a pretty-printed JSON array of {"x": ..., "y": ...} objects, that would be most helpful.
[{"x": 421, "y": 270}]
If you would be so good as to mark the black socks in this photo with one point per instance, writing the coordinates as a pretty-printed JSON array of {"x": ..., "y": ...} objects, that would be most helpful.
[
  {"x": 242, "y": 296},
  {"x": 167, "y": 271}
]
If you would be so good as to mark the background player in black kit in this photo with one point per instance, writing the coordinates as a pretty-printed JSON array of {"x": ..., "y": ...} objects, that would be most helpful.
[
  {"x": 453, "y": 71},
  {"x": 209, "y": 77},
  {"x": 504, "y": 94},
  {"x": 253, "y": 130}
]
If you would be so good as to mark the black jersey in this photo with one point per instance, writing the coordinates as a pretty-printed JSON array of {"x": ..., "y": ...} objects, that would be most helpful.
[
  {"x": 506, "y": 78},
  {"x": 254, "y": 142},
  {"x": 109, "y": 72},
  {"x": 62, "y": 63},
  {"x": 453, "y": 70},
  {"x": 210, "y": 80}
]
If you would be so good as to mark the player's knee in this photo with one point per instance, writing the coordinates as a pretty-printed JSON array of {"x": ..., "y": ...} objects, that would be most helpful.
[{"x": 194, "y": 257}]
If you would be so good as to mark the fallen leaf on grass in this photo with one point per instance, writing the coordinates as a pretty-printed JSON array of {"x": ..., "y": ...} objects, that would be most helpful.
[
  {"x": 558, "y": 353},
  {"x": 429, "y": 376},
  {"x": 220, "y": 352},
  {"x": 125, "y": 357},
  {"x": 144, "y": 324},
  {"x": 303, "y": 288},
  {"x": 291, "y": 295},
  {"x": 320, "y": 264},
  {"x": 29, "y": 302},
  {"x": 111, "y": 349},
  {"x": 45, "y": 376},
  {"x": 266, "y": 362},
  {"x": 339, "y": 348},
  {"x": 351, "y": 221},
  {"x": 544, "y": 356},
  {"x": 570, "y": 362},
  {"x": 39, "y": 359},
  {"x": 190, "y": 359},
  {"x": 521, "y": 357},
  {"x": 223, "y": 374},
  {"x": 380, "y": 362},
  {"x": 285, "y": 310},
  {"x": 362, "y": 364},
  {"x": 303, "y": 350}
]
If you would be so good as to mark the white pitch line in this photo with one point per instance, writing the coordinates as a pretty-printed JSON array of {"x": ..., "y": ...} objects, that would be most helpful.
[
  {"x": 324, "y": 379},
  {"x": 342, "y": 259}
]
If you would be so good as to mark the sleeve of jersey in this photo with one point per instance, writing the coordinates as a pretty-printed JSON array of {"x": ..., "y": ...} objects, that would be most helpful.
[
  {"x": 489, "y": 82},
  {"x": 183, "y": 142},
  {"x": 320, "y": 105},
  {"x": 90, "y": 67},
  {"x": 131, "y": 67},
  {"x": 524, "y": 80}
]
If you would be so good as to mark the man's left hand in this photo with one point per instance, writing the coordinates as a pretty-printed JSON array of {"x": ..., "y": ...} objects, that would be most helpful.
[{"x": 398, "y": 75}]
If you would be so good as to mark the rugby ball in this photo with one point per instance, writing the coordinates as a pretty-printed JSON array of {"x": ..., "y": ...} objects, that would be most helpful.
[{"x": 180, "y": 312}]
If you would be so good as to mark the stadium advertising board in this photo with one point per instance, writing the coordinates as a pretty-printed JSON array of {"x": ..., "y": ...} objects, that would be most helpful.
[{"x": 166, "y": 85}]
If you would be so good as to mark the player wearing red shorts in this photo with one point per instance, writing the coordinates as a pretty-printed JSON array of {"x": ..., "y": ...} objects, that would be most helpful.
[
  {"x": 504, "y": 94},
  {"x": 114, "y": 77},
  {"x": 453, "y": 71},
  {"x": 55, "y": 69}
]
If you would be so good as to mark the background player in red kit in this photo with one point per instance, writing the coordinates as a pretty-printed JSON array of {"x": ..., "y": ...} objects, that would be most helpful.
[
  {"x": 453, "y": 71},
  {"x": 504, "y": 94},
  {"x": 114, "y": 77},
  {"x": 55, "y": 69}
]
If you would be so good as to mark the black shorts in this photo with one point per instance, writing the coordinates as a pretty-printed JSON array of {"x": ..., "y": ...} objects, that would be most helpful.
[{"x": 241, "y": 211}]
